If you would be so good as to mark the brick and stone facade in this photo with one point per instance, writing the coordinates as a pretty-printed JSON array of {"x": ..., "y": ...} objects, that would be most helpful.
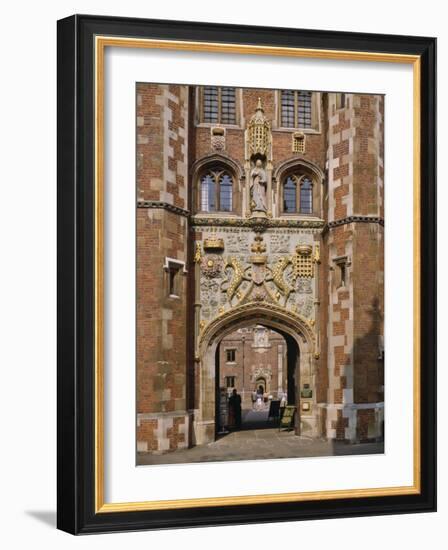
[{"x": 208, "y": 272}]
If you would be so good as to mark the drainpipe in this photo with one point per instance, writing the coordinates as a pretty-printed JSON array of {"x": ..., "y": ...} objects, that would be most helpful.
[{"x": 244, "y": 340}]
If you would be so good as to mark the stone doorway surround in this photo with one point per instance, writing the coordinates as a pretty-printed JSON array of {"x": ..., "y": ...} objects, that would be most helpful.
[{"x": 269, "y": 315}]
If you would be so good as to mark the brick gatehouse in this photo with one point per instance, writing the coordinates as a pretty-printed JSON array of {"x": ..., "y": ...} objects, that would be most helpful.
[{"x": 259, "y": 210}]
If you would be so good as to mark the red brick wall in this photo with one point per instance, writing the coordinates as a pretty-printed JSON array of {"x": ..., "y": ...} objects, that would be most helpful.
[{"x": 161, "y": 234}]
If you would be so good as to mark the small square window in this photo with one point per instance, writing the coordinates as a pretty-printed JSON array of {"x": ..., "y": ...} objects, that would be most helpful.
[
  {"x": 340, "y": 101},
  {"x": 174, "y": 270},
  {"x": 341, "y": 274},
  {"x": 173, "y": 281},
  {"x": 230, "y": 355}
]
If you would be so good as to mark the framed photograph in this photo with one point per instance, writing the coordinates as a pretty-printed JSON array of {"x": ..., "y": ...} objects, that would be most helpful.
[{"x": 246, "y": 274}]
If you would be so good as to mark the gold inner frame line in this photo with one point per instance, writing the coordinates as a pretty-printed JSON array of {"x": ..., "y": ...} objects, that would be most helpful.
[{"x": 101, "y": 42}]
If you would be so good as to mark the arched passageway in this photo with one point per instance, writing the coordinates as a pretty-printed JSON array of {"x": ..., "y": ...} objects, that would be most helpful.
[
  {"x": 259, "y": 365},
  {"x": 213, "y": 387}
]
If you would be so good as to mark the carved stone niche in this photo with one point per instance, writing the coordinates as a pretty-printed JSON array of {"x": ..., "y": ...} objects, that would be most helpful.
[{"x": 259, "y": 134}]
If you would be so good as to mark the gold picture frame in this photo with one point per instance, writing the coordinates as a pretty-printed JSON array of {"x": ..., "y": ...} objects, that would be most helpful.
[{"x": 97, "y": 35}]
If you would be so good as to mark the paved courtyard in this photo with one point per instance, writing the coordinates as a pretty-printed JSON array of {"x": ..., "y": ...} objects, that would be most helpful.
[{"x": 259, "y": 438}]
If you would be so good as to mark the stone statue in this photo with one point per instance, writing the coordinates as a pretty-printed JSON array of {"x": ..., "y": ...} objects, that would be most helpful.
[{"x": 258, "y": 188}]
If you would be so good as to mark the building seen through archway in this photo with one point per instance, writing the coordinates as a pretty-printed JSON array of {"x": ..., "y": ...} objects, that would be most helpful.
[
  {"x": 250, "y": 358},
  {"x": 260, "y": 364},
  {"x": 260, "y": 265}
]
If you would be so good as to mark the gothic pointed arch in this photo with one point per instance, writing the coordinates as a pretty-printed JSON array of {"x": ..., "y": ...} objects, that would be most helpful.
[
  {"x": 290, "y": 164},
  {"x": 266, "y": 314}
]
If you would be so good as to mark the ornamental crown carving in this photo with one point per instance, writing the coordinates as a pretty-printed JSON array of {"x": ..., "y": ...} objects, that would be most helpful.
[
  {"x": 258, "y": 248},
  {"x": 259, "y": 133},
  {"x": 213, "y": 243}
]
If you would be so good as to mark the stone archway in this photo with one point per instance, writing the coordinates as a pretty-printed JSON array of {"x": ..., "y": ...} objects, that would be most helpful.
[{"x": 266, "y": 314}]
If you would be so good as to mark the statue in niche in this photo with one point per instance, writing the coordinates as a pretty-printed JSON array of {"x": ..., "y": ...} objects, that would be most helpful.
[{"x": 258, "y": 188}]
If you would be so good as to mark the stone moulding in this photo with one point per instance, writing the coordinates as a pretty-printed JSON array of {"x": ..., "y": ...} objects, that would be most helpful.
[
  {"x": 221, "y": 158},
  {"x": 298, "y": 162},
  {"x": 163, "y": 205},
  {"x": 354, "y": 219},
  {"x": 255, "y": 223},
  {"x": 268, "y": 311}
]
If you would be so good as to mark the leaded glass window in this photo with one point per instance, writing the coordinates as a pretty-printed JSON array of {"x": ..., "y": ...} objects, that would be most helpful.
[
  {"x": 225, "y": 193},
  {"x": 211, "y": 104},
  {"x": 216, "y": 189},
  {"x": 290, "y": 195},
  {"x": 218, "y": 105},
  {"x": 298, "y": 194},
  {"x": 306, "y": 196},
  {"x": 288, "y": 109},
  {"x": 208, "y": 194},
  {"x": 296, "y": 109}
]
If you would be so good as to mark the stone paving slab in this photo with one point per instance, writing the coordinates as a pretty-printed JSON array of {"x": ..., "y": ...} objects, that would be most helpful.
[{"x": 268, "y": 443}]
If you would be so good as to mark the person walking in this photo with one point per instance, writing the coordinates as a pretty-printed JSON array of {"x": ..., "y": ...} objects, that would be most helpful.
[
  {"x": 260, "y": 393},
  {"x": 283, "y": 403},
  {"x": 254, "y": 399}
]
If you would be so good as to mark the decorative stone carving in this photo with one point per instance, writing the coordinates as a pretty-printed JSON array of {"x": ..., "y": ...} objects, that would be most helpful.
[
  {"x": 304, "y": 286},
  {"x": 277, "y": 277},
  {"x": 261, "y": 337},
  {"x": 316, "y": 253},
  {"x": 298, "y": 142},
  {"x": 306, "y": 308},
  {"x": 211, "y": 265},
  {"x": 280, "y": 243},
  {"x": 213, "y": 243},
  {"x": 303, "y": 262},
  {"x": 238, "y": 243},
  {"x": 259, "y": 133},
  {"x": 261, "y": 372},
  {"x": 292, "y": 318},
  {"x": 198, "y": 253},
  {"x": 262, "y": 268},
  {"x": 258, "y": 248},
  {"x": 218, "y": 139},
  {"x": 258, "y": 225},
  {"x": 238, "y": 276}
]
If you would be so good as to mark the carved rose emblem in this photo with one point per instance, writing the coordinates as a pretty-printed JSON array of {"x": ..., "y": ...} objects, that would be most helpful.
[{"x": 211, "y": 265}]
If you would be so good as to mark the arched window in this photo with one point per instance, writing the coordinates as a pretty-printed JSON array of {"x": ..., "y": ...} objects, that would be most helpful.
[
  {"x": 297, "y": 194},
  {"x": 208, "y": 193},
  {"x": 216, "y": 191}
]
